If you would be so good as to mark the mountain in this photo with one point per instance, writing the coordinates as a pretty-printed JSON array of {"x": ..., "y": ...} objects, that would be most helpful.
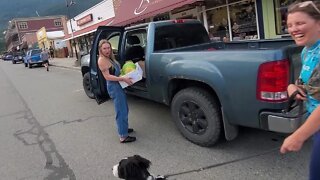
[{"x": 30, "y": 8}]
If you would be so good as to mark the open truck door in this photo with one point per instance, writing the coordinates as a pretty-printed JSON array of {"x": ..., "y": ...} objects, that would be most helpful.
[{"x": 97, "y": 81}]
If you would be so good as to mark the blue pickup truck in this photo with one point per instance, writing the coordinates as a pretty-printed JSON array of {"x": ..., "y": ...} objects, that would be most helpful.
[
  {"x": 211, "y": 87},
  {"x": 32, "y": 57}
]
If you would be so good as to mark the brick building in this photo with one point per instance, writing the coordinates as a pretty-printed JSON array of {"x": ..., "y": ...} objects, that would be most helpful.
[{"x": 21, "y": 32}]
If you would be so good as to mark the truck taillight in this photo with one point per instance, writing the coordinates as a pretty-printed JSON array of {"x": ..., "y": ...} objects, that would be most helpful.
[
  {"x": 179, "y": 21},
  {"x": 273, "y": 80}
]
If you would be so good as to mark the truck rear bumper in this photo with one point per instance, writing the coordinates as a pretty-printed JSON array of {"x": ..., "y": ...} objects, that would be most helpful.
[{"x": 282, "y": 122}]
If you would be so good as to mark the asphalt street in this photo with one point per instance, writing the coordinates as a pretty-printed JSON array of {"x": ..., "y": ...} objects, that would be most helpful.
[{"x": 49, "y": 129}]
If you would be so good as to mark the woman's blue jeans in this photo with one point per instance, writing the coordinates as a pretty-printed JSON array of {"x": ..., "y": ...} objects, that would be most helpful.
[
  {"x": 120, "y": 105},
  {"x": 315, "y": 158}
]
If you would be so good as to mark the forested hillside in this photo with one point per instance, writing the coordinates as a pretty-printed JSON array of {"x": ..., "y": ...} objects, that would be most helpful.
[{"x": 30, "y": 8}]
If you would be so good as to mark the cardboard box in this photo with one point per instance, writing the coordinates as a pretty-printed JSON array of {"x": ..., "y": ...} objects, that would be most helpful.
[{"x": 135, "y": 76}]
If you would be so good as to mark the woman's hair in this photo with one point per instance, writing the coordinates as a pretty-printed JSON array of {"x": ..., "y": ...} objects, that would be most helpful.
[
  {"x": 102, "y": 42},
  {"x": 309, "y": 7}
]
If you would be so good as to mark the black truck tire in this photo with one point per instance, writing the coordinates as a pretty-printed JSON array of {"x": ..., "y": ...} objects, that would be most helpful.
[
  {"x": 87, "y": 86},
  {"x": 197, "y": 116}
]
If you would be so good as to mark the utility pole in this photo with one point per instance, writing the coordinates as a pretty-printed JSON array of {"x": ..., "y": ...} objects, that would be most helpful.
[{"x": 69, "y": 4}]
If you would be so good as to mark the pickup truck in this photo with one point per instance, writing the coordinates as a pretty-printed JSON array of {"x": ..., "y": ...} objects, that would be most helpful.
[{"x": 213, "y": 88}]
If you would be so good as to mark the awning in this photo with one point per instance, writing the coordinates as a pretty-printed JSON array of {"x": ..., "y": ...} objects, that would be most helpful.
[
  {"x": 88, "y": 30},
  {"x": 55, "y": 35},
  {"x": 134, "y": 10}
]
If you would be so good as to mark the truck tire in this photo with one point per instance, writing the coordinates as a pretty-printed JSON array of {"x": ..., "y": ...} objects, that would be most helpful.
[
  {"x": 197, "y": 116},
  {"x": 87, "y": 86}
]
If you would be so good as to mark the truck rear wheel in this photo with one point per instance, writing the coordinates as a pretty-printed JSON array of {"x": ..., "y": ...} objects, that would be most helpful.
[
  {"x": 197, "y": 116},
  {"x": 87, "y": 86}
]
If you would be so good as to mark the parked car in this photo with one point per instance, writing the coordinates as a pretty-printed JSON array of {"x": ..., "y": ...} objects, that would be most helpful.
[
  {"x": 3, "y": 54},
  {"x": 8, "y": 56},
  {"x": 33, "y": 57},
  {"x": 18, "y": 57},
  {"x": 211, "y": 87}
]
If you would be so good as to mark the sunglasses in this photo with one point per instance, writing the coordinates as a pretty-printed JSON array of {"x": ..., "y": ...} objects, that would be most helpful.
[{"x": 307, "y": 3}]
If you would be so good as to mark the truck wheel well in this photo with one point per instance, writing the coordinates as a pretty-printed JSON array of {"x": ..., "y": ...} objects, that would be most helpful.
[
  {"x": 84, "y": 70},
  {"x": 178, "y": 84}
]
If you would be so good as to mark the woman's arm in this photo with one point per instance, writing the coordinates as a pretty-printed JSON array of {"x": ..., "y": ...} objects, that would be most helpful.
[
  {"x": 295, "y": 141},
  {"x": 104, "y": 68}
]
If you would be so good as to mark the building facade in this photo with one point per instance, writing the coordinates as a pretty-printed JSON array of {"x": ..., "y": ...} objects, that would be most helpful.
[
  {"x": 225, "y": 20},
  {"x": 21, "y": 32},
  {"x": 82, "y": 27}
]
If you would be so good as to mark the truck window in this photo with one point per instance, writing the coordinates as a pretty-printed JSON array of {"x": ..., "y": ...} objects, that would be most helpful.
[
  {"x": 114, "y": 40},
  {"x": 135, "y": 45},
  {"x": 179, "y": 35}
]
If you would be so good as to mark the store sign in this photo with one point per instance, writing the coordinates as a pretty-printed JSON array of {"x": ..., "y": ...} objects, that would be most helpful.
[
  {"x": 142, "y": 7},
  {"x": 86, "y": 19}
]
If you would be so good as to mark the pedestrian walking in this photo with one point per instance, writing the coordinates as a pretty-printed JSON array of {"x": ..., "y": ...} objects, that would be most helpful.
[
  {"x": 303, "y": 23},
  {"x": 45, "y": 58},
  {"x": 110, "y": 69},
  {"x": 51, "y": 52}
]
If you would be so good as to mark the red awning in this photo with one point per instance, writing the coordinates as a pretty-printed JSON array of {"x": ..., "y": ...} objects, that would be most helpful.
[
  {"x": 134, "y": 10},
  {"x": 88, "y": 30}
]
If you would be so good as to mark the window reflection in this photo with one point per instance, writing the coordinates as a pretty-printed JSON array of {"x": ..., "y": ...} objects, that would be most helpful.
[
  {"x": 281, "y": 10},
  {"x": 218, "y": 24},
  {"x": 243, "y": 20}
]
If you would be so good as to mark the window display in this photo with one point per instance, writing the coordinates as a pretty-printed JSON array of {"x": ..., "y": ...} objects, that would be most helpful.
[
  {"x": 281, "y": 9},
  {"x": 236, "y": 21},
  {"x": 218, "y": 24},
  {"x": 243, "y": 20},
  {"x": 214, "y": 3}
]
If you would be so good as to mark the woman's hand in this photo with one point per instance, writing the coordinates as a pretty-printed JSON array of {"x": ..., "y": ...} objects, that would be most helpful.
[
  {"x": 291, "y": 143},
  {"x": 127, "y": 80},
  {"x": 300, "y": 96}
]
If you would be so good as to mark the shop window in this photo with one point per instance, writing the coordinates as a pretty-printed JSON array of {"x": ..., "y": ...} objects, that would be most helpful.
[
  {"x": 23, "y": 25},
  {"x": 162, "y": 17},
  {"x": 214, "y": 3},
  {"x": 218, "y": 24},
  {"x": 243, "y": 20},
  {"x": 281, "y": 10},
  {"x": 233, "y": 1}
]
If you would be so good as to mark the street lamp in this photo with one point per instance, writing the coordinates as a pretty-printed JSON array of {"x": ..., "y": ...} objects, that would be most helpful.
[{"x": 69, "y": 4}]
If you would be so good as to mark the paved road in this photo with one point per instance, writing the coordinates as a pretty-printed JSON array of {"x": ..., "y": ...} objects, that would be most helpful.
[{"x": 50, "y": 130}]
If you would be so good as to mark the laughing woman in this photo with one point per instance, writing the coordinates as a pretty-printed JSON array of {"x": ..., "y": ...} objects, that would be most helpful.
[{"x": 304, "y": 26}]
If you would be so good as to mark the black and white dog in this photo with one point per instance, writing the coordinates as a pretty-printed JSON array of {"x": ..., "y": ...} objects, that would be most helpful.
[{"x": 134, "y": 168}]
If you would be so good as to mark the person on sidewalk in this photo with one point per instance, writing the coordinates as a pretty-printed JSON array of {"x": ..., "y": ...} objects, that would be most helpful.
[
  {"x": 303, "y": 22},
  {"x": 110, "y": 69},
  {"x": 45, "y": 58},
  {"x": 51, "y": 52}
]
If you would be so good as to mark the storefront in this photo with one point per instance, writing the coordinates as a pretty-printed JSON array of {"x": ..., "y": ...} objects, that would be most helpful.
[
  {"x": 274, "y": 16},
  {"x": 82, "y": 27},
  {"x": 140, "y": 11},
  {"x": 231, "y": 20}
]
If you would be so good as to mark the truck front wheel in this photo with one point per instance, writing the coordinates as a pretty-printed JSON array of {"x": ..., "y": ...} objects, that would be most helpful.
[
  {"x": 87, "y": 86},
  {"x": 197, "y": 116}
]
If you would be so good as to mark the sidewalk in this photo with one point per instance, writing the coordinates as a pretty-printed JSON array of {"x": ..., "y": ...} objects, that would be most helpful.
[{"x": 70, "y": 63}]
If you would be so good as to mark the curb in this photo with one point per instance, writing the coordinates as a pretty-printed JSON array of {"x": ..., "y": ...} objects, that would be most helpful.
[{"x": 66, "y": 67}]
